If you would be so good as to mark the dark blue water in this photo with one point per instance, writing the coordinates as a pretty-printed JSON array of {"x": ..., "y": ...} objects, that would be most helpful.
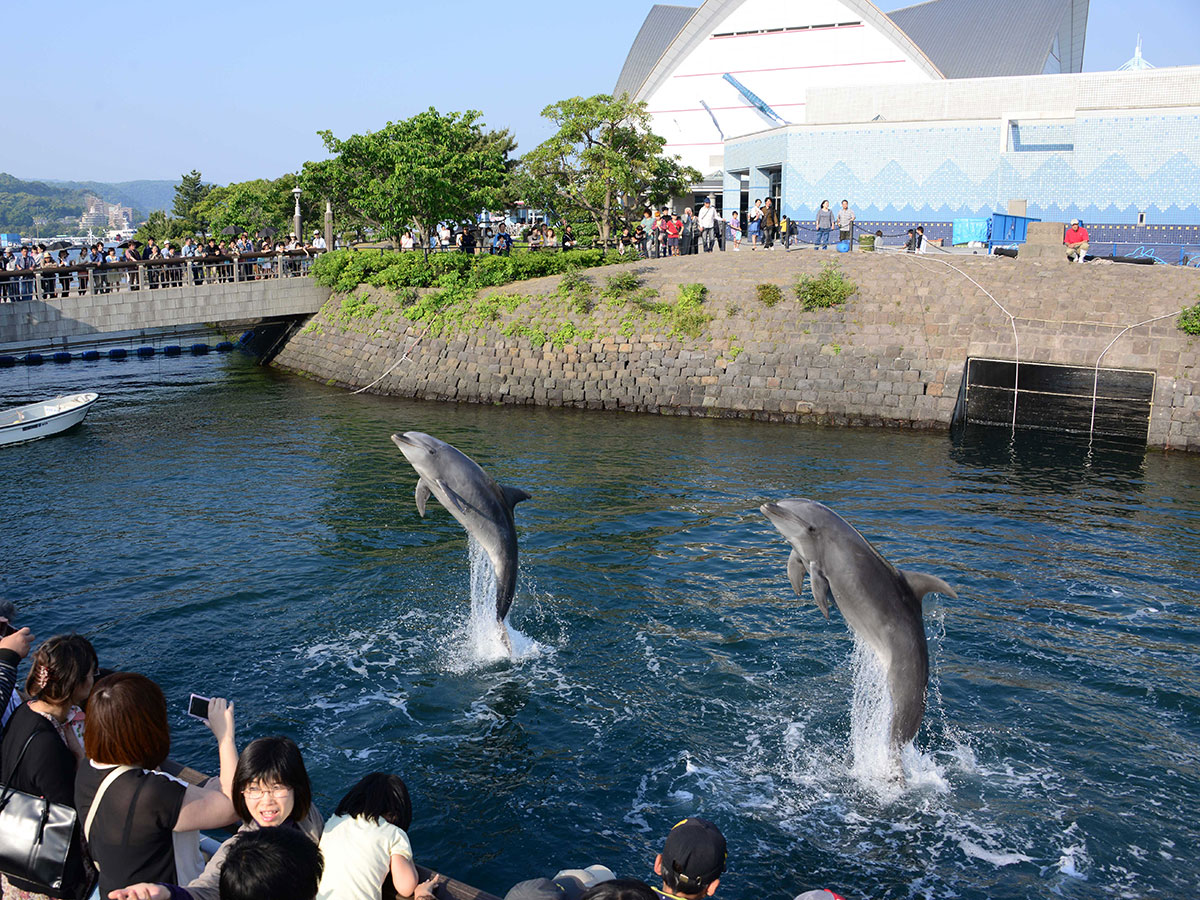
[{"x": 228, "y": 530}]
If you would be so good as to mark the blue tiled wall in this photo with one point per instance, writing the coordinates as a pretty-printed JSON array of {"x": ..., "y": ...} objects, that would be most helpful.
[{"x": 1119, "y": 165}]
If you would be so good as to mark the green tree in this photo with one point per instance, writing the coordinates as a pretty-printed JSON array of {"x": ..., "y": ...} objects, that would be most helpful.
[
  {"x": 189, "y": 194},
  {"x": 252, "y": 206},
  {"x": 604, "y": 162},
  {"x": 428, "y": 169},
  {"x": 161, "y": 227}
]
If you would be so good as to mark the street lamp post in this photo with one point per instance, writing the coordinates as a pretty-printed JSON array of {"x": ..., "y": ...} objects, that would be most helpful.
[{"x": 296, "y": 226}]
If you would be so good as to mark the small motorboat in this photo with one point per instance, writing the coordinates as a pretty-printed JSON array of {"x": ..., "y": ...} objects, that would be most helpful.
[{"x": 42, "y": 419}]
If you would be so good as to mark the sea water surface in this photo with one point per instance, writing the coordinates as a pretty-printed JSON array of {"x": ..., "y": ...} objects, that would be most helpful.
[{"x": 231, "y": 531}]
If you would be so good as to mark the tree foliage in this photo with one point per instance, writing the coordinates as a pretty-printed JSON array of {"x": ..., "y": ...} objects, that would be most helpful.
[
  {"x": 431, "y": 168},
  {"x": 189, "y": 194},
  {"x": 603, "y": 162},
  {"x": 252, "y": 206}
]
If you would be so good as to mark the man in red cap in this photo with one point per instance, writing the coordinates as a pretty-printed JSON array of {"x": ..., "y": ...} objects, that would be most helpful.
[{"x": 692, "y": 860}]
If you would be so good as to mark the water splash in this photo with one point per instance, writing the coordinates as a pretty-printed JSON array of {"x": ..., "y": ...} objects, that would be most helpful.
[
  {"x": 482, "y": 637},
  {"x": 875, "y": 765}
]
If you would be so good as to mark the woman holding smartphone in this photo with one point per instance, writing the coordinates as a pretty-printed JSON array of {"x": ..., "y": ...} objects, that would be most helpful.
[{"x": 131, "y": 833}]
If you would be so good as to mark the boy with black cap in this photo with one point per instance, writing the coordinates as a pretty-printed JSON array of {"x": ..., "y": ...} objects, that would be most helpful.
[{"x": 692, "y": 860}]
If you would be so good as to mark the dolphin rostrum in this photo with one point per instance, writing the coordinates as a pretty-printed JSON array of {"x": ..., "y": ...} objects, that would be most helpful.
[
  {"x": 481, "y": 506},
  {"x": 881, "y": 604}
]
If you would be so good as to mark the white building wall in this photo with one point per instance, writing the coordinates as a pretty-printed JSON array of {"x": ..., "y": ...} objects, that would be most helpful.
[{"x": 823, "y": 43}]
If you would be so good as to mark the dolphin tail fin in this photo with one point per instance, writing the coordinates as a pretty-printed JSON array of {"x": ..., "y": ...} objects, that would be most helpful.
[
  {"x": 423, "y": 494},
  {"x": 922, "y": 584},
  {"x": 513, "y": 495}
]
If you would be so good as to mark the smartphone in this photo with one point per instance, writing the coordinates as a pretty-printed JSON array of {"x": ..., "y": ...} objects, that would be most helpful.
[
  {"x": 6, "y": 629},
  {"x": 198, "y": 707}
]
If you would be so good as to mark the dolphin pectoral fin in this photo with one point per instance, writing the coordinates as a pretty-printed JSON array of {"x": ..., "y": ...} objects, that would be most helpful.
[
  {"x": 453, "y": 497},
  {"x": 922, "y": 584},
  {"x": 796, "y": 573},
  {"x": 423, "y": 494},
  {"x": 513, "y": 495},
  {"x": 820, "y": 588}
]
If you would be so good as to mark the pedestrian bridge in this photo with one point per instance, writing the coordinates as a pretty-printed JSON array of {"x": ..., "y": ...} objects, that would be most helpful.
[{"x": 58, "y": 307}]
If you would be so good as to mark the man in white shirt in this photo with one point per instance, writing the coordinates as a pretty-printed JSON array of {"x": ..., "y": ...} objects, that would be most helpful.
[
  {"x": 318, "y": 242},
  {"x": 845, "y": 221},
  {"x": 707, "y": 218}
]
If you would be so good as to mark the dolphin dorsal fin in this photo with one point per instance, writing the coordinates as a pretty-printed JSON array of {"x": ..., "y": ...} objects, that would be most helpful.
[
  {"x": 820, "y": 586},
  {"x": 423, "y": 494},
  {"x": 513, "y": 495},
  {"x": 922, "y": 584}
]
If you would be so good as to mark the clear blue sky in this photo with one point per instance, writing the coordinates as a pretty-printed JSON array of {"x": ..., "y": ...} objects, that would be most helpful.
[{"x": 239, "y": 90}]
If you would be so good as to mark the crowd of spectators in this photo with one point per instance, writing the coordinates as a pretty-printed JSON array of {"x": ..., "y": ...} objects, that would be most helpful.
[
  {"x": 97, "y": 741},
  {"x": 36, "y": 270}
]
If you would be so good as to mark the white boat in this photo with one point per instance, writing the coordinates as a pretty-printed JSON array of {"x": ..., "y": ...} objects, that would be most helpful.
[{"x": 42, "y": 419}]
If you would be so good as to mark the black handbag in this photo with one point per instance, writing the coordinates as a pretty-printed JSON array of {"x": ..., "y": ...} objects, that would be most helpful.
[{"x": 38, "y": 838}]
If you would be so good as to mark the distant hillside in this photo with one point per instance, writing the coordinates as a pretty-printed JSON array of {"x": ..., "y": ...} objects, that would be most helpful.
[
  {"x": 23, "y": 202},
  {"x": 144, "y": 196}
]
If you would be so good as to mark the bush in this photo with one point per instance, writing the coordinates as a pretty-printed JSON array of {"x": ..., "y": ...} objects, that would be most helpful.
[
  {"x": 687, "y": 317},
  {"x": 345, "y": 270},
  {"x": 620, "y": 286},
  {"x": 830, "y": 288},
  {"x": 769, "y": 294},
  {"x": 1189, "y": 319}
]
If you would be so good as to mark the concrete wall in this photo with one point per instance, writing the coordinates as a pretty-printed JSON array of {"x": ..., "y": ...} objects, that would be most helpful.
[
  {"x": 893, "y": 355},
  {"x": 1101, "y": 147},
  {"x": 43, "y": 321}
]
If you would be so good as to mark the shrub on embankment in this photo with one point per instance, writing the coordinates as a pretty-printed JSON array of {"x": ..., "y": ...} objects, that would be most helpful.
[
  {"x": 1189, "y": 320},
  {"x": 345, "y": 270}
]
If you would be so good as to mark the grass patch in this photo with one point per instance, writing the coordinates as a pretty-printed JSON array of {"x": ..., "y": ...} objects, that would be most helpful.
[
  {"x": 576, "y": 291},
  {"x": 687, "y": 317},
  {"x": 768, "y": 294},
  {"x": 830, "y": 288}
]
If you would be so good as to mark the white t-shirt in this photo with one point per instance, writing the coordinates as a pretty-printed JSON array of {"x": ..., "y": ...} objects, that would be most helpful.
[{"x": 358, "y": 856}]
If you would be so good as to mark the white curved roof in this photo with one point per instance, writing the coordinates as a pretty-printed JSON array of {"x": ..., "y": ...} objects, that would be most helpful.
[
  {"x": 700, "y": 25},
  {"x": 947, "y": 38}
]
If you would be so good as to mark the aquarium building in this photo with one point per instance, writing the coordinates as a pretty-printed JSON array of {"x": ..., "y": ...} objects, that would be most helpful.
[{"x": 942, "y": 110}]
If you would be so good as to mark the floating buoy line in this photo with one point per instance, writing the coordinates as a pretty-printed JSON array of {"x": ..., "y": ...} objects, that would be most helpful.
[{"x": 117, "y": 354}]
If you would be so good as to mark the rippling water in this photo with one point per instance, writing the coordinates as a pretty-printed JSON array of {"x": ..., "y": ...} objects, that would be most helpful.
[{"x": 228, "y": 530}]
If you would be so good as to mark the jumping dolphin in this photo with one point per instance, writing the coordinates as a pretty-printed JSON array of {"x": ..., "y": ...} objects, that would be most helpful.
[
  {"x": 881, "y": 604},
  {"x": 481, "y": 506}
]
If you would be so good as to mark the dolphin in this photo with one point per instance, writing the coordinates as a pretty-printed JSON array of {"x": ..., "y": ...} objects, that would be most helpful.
[
  {"x": 881, "y": 604},
  {"x": 481, "y": 506}
]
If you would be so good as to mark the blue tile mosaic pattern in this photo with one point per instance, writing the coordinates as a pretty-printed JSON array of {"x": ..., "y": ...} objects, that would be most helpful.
[{"x": 1120, "y": 165}]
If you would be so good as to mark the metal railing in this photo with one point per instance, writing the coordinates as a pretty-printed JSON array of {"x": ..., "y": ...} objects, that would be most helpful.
[{"x": 89, "y": 279}]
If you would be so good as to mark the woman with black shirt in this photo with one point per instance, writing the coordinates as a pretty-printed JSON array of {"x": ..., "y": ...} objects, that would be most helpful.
[
  {"x": 41, "y": 750},
  {"x": 133, "y": 829}
]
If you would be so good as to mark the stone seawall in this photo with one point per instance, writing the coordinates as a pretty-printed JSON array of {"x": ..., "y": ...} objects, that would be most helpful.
[{"x": 894, "y": 354}]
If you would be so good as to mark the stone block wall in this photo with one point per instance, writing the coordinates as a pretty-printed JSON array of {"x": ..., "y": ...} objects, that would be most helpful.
[{"x": 894, "y": 354}]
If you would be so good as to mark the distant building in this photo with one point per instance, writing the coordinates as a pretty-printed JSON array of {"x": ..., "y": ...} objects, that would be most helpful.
[
  {"x": 96, "y": 215},
  {"x": 945, "y": 109},
  {"x": 106, "y": 215}
]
